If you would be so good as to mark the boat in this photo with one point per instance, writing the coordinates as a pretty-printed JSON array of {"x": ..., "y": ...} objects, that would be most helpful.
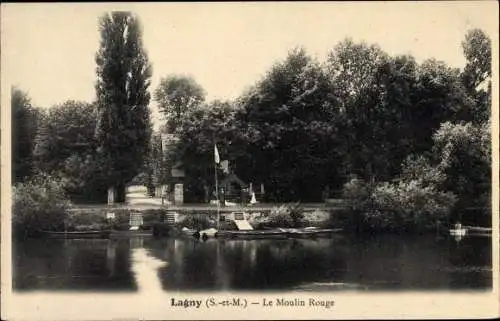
[
  {"x": 479, "y": 231},
  {"x": 281, "y": 233},
  {"x": 309, "y": 232},
  {"x": 458, "y": 230},
  {"x": 208, "y": 233},
  {"x": 189, "y": 232},
  {"x": 78, "y": 234},
  {"x": 131, "y": 233},
  {"x": 252, "y": 234}
]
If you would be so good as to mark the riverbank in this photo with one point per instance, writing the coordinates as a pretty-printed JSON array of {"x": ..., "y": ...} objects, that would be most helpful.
[
  {"x": 118, "y": 220},
  {"x": 169, "y": 220},
  {"x": 198, "y": 217}
]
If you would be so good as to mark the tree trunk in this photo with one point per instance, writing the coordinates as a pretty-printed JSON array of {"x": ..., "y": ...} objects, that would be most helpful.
[
  {"x": 150, "y": 185},
  {"x": 120, "y": 193}
]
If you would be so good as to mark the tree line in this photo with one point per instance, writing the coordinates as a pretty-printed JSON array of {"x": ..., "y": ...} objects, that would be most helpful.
[
  {"x": 308, "y": 125},
  {"x": 402, "y": 127}
]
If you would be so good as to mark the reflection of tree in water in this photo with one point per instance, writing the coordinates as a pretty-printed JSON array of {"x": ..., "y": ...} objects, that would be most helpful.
[
  {"x": 246, "y": 264},
  {"x": 93, "y": 265},
  {"x": 382, "y": 262},
  {"x": 470, "y": 262},
  {"x": 389, "y": 262}
]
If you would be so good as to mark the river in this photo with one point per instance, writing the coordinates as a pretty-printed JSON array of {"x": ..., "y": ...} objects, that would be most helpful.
[{"x": 340, "y": 263}]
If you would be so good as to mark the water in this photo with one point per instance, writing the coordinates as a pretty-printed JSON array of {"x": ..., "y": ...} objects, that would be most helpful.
[{"x": 340, "y": 263}]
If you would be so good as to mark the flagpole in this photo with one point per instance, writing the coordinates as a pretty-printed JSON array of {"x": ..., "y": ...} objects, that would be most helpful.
[
  {"x": 217, "y": 195},
  {"x": 216, "y": 161}
]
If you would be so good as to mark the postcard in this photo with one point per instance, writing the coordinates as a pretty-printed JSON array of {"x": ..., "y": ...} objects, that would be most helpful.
[{"x": 249, "y": 160}]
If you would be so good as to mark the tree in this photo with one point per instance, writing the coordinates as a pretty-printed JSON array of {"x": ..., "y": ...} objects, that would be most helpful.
[
  {"x": 25, "y": 120},
  {"x": 176, "y": 95},
  {"x": 463, "y": 153},
  {"x": 288, "y": 120},
  {"x": 476, "y": 75},
  {"x": 352, "y": 69},
  {"x": 67, "y": 129},
  {"x": 390, "y": 106},
  {"x": 123, "y": 72},
  {"x": 398, "y": 114},
  {"x": 65, "y": 147},
  {"x": 477, "y": 51},
  {"x": 197, "y": 132}
]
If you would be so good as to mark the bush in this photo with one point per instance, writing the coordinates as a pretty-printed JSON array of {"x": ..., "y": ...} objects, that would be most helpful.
[
  {"x": 279, "y": 217},
  {"x": 228, "y": 226},
  {"x": 346, "y": 218},
  {"x": 358, "y": 192},
  {"x": 296, "y": 213},
  {"x": 90, "y": 227},
  {"x": 287, "y": 216},
  {"x": 163, "y": 229},
  {"x": 408, "y": 205},
  {"x": 196, "y": 222},
  {"x": 120, "y": 226},
  {"x": 39, "y": 204},
  {"x": 122, "y": 216},
  {"x": 84, "y": 178},
  {"x": 86, "y": 218},
  {"x": 152, "y": 216},
  {"x": 412, "y": 202},
  {"x": 258, "y": 222}
]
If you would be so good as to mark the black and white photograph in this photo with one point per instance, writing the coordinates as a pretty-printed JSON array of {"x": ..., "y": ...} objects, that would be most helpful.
[{"x": 255, "y": 160}]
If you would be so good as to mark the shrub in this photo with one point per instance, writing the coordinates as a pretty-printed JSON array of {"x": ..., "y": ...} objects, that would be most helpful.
[
  {"x": 196, "y": 222},
  {"x": 346, "y": 218},
  {"x": 162, "y": 229},
  {"x": 279, "y": 217},
  {"x": 282, "y": 216},
  {"x": 358, "y": 192},
  {"x": 122, "y": 216},
  {"x": 147, "y": 226},
  {"x": 152, "y": 216},
  {"x": 39, "y": 204},
  {"x": 120, "y": 226},
  {"x": 258, "y": 222},
  {"x": 91, "y": 227},
  {"x": 86, "y": 218},
  {"x": 84, "y": 178},
  {"x": 296, "y": 213},
  {"x": 412, "y": 202},
  {"x": 408, "y": 205},
  {"x": 228, "y": 226}
]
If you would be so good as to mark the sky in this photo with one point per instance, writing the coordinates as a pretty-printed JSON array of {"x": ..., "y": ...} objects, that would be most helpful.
[{"x": 48, "y": 50}]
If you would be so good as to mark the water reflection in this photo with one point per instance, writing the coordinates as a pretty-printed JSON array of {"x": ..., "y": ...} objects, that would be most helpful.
[
  {"x": 146, "y": 264},
  {"x": 144, "y": 267},
  {"x": 93, "y": 265}
]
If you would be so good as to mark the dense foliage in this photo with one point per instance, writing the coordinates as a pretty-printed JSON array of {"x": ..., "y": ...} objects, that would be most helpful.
[
  {"x": 407, "y": 142},
  {"x": 362, "y": 111},
  {"x": 306, "y": 127},
  {"x": 198, "y": 131},
  {"x": 65, "y": 147},
  {"x": 25, "y": 119},
  {"x": 175, "y": 96},
  {"x": 39, "y": 204},
  {"x": 288, "y": 121}
]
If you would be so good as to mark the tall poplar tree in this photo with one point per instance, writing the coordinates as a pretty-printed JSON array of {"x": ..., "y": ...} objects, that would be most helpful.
[
  {"x": 123, "y": 77},
  {"x": 25, "y": 119}
]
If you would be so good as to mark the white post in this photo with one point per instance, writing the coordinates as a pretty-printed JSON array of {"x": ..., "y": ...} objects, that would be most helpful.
[
  {"x": 217, "y": 196},
  {"x": 111, "y": 196}
]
